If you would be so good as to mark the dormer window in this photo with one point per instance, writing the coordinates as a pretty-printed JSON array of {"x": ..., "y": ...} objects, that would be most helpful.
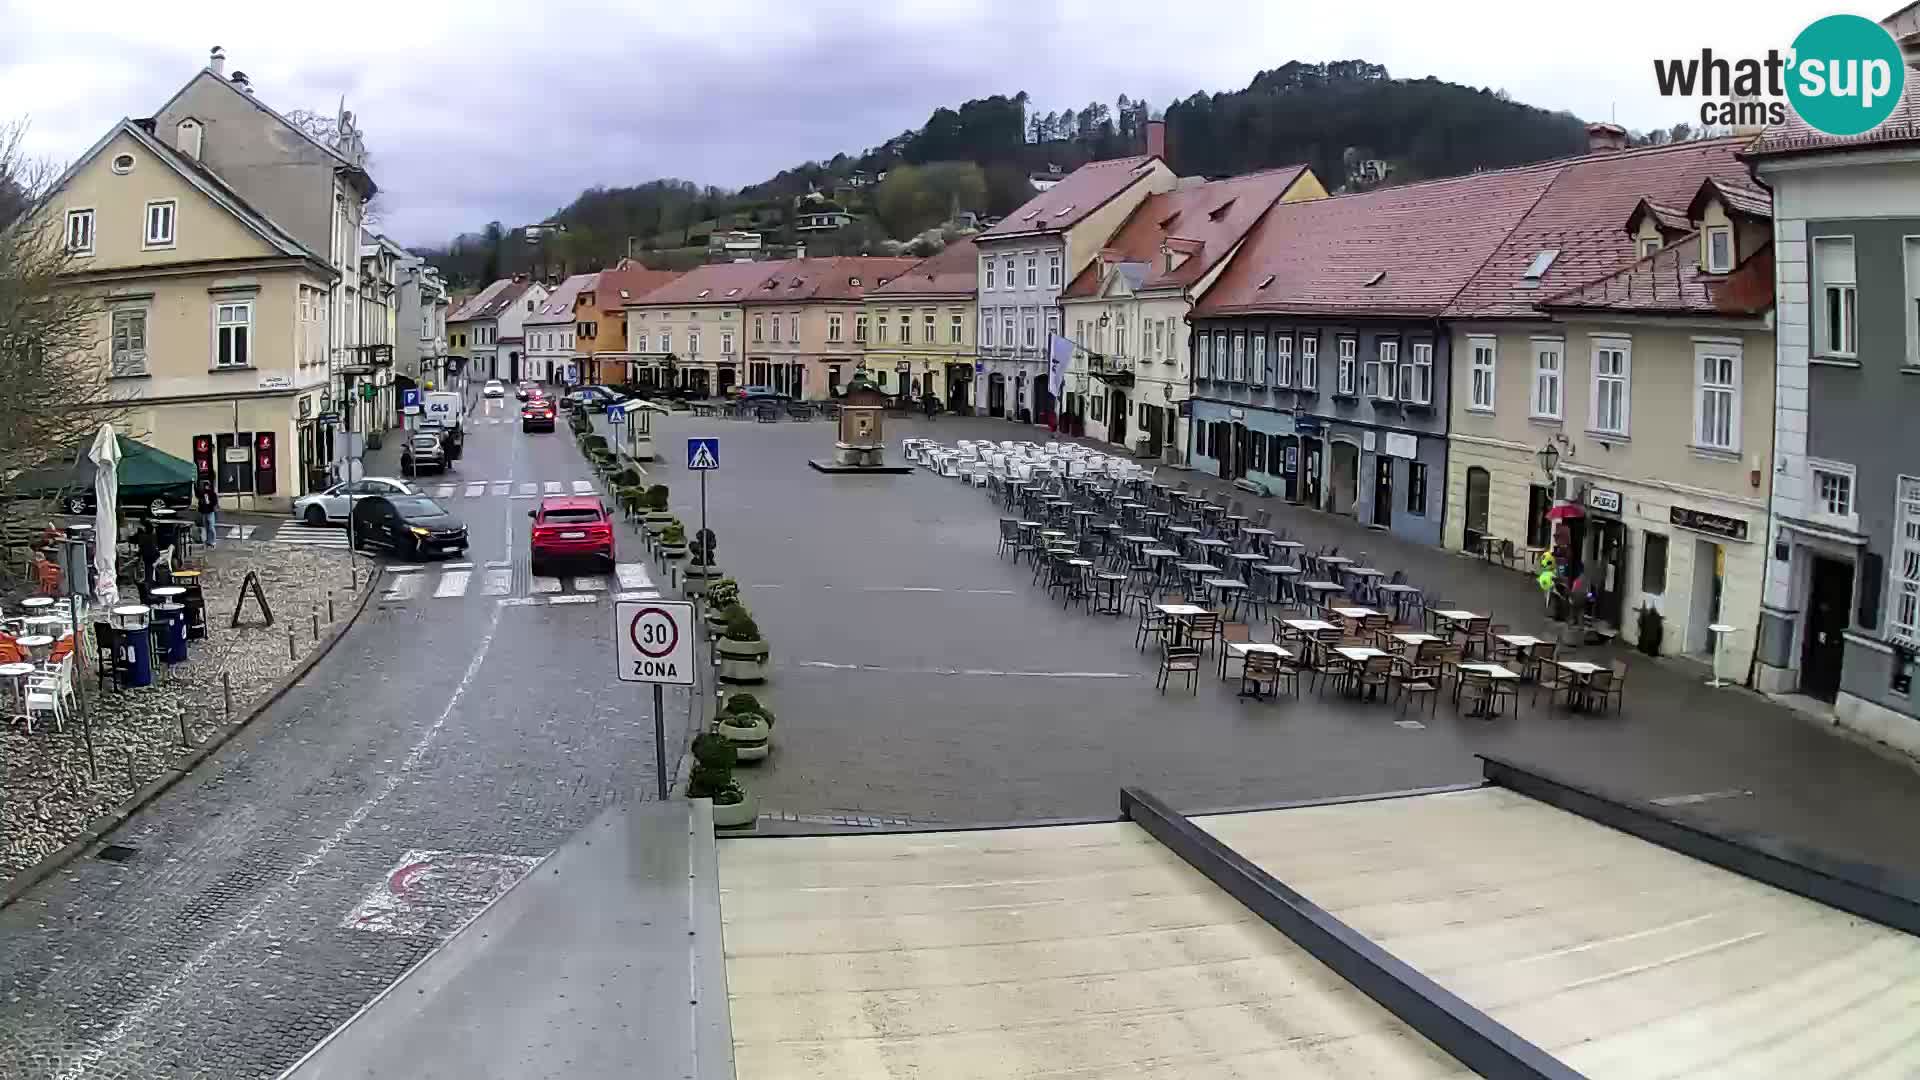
[
  {"x": 1649, "y": 245},
  {"x": 1064, "y": 211},
  {"x": 702, "y": 294},
  {"x": 1719, "y": 249},
  {"x": 854, "y": 281},
  {"x": 1376, "y": 278}
]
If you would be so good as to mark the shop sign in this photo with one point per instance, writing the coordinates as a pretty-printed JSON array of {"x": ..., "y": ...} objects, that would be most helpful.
[
  {"x": 1603, "y": 499},
  {"x": 306, "y": 407},
  {"x": 276, "y": 382},
  {"x": 1307, "y": 425},
  {"x": 1366, "y": 441},
  {"x": 1401, "y": 445},
  {"x": 1236, "y": 414},
  {"x": 1732, "y": 528}
]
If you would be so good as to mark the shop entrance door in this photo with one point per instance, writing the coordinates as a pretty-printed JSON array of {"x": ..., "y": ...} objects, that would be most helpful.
[
  {"x": 1829, "y": 601},
  {"x": 1382, "y": 490}
]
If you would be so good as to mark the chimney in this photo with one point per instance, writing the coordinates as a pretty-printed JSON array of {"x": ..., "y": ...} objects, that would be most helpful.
[
  {"x": 217, "y": 61},
  {"x": 1605, "y": 138},
  {"x": 1157, "y": 139},
  {"x": 241, "y": 82}
]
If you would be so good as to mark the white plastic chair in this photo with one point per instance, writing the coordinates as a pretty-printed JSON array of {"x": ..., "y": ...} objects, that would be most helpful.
[{"x": 43, "y": 696}]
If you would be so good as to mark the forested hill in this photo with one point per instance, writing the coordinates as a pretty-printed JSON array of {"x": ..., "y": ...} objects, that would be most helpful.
[{"x": 1355, "y": 124}]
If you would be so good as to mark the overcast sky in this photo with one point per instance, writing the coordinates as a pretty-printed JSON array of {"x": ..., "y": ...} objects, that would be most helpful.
[{"x": 476, "y": 114}]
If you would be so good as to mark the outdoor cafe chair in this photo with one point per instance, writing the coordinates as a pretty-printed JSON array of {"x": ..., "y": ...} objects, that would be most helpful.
[
  {"x": 1555, "y": 680},
  {"x": 1203, "y": 630},
  {"x": 1261, "y": 670},
  {"x": 1183, "y": 658},
  {"x": 1153, "y": 624},
  {"x": 1413, "y": 678},
  {"x": 1009, "y": 538},
  {"x": 1616, "y": 685},
  {"x": 1233, "y": 633}
]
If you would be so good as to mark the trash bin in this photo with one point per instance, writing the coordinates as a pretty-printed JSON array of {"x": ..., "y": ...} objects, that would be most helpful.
[
  {"x": 131, "y": 624},
  {"x": 195, "y": 602},
  {"x": 171, "y": 629}
]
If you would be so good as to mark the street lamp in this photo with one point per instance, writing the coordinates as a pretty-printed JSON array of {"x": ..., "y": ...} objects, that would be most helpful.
[{"x": 1549, "y": 459}]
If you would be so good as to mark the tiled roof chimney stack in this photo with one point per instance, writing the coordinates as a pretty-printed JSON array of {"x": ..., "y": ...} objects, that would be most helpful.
[
  {"x": 217, "y": 61},
  {"x": 1605, "y": 138},
  {"x": 241, "y": 82},
  {"x": 1157, "y": 139}
]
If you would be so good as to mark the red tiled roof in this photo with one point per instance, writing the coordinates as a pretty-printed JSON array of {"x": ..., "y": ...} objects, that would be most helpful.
[
  {"x": 842, "y": 277},
  {"x": 1670, "y": 282},
  {"x": 953, "y": 271},
  {"x": 558, "y": 307},
  {"x": 1665, "y": 218},
  {"x": 633, "y": 279},
  {"x": 490, "y": 301},
  {"x": 717, "y": 283},
  {"x": 1078, "y": 194},
  {"x": 1211, "y": 218},
  {"x": 1423, "y": 241},
  {"x": 1795, "y": 136},
  {"x": 1579, "y": 216},
  {"x": 1737, "y": 198}
]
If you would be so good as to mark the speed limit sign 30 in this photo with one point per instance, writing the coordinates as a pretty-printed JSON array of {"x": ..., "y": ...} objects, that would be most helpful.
[{"x": 653, "y": 641}]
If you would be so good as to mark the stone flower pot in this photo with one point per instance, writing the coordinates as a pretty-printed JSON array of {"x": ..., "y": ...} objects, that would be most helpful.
[
  {"x": 749, "y": 733},
  {"x": 673, "y": 551},
  {"x": 742, "y": 661},
  {"x": 655, "y": 521},
  {"x": 736, "y": 814},
  {"x": 716, "y": 626},
  {"x": 697, "y": 576}
]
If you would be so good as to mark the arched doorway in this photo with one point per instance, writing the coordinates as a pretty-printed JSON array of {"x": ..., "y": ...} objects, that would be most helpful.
[
  {"x": 1343, "y": 477},
  {"x": 1479, "y": 485}
]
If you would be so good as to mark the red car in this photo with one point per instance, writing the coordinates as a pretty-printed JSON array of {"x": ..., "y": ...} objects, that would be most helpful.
[
  {"x": 571, "y": 528},
  {"x": 536, "y": 415}
]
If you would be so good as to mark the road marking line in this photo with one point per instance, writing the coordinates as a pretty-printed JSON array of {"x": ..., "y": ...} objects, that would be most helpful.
[
  {"x": 573, "y": 598},
  {"x": 552, "y": 487},
  {"x": 529, "y": 490},
  {"x": 1699, "y": 797},
  {"x": 444, "y": 491},
  {"x": 900, "y": 588},
  {"x": 498, "y": 582},
  {"x": 474, "y": 491},
  {"x": 403, "y": 569},
  {"x": 633, "y": 575},
  {"x": 159, "y": 995},
  {"x": 546, "y": 584},
  {"x": 583, "y": 487},
  {"x": 452, "y": 583},
  {"x": 496, "y": 563},
  {"x": 404, "y": 587},
  {"x": 457, "y": 566},
  {"x": 973, "y": 671},
  {"x": 501, "y": 487},
  {"x": 590, "y": 583}
]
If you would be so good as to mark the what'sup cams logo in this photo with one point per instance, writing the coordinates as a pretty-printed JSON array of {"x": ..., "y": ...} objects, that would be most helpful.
[{"x": 1843, "y": 76}]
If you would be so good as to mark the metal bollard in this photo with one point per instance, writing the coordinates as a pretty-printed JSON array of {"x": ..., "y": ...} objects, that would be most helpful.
[
  {"x": 329, "y": 607},
  {"x": 316, "y": 622},
  {"x": 291, "y": 654},
  {"x": 185, "y": 742},
  {"x": 673, "y": 577},
  {"x": 226, "y": 688},
  {"x": 131, "y": 784}
]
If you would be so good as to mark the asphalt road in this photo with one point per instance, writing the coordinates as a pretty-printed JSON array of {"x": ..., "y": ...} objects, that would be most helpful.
[{"x": 234, "y": 938}]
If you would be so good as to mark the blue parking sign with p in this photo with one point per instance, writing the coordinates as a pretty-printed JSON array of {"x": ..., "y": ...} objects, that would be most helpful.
[{"x": 703, "y": 453}]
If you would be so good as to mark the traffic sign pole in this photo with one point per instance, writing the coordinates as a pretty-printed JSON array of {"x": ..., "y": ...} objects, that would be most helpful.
[{"x": 660, "y": 742}]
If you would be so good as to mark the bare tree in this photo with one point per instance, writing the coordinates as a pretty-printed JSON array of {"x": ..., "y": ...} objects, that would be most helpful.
[
  {"x": 325, "y": 130},
  {"x": 57, "y": 386}
]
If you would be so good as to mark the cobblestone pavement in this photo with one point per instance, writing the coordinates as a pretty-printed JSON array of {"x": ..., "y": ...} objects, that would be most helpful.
[
  {"x": 918, "y": 676},
  {"x": 51, "y": 793},
  {"x": 220, "y": 948}
]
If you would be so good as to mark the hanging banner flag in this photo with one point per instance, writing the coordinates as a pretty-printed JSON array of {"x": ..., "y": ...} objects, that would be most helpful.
[{"x": 1059, "y": 355}]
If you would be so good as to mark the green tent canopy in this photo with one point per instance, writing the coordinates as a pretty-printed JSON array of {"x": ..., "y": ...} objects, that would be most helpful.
[{"x": 146, "y": 474}]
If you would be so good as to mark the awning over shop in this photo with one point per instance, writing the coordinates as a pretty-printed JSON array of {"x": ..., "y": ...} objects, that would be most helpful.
[{"x": 146, "y": 474}]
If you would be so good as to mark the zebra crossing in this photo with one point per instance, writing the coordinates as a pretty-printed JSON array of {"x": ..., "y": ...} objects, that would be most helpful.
[
  {"x": 525, "y": 489},
  {"x": 453, "y": 581},
  {"x": 327, "y": 536}
]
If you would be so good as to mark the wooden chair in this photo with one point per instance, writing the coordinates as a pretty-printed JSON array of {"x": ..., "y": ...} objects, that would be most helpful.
[
  {"x": 1544, "y": 653},
  {"x": 1617, "y": 685},
  {"x": 1413, "y": 678},
  {"x": 1230, "y": 634},
  {"x": 1375, "y": 676},
  {"x": 1179, "y": 658},
  {"x": 1475, "y": 632},
  {"x": 1598, "y": 688},
  {"x": 1009, "y": 538},
  {"x": 1498, "y": 650},
  {"x": 1324, "y": 663},
  {"x": 1153, "y": 624},
  {"x": 1203, "y": 630},
  {"x": 1261, "y": 669},
  {"x": 1555, "y": 680}
]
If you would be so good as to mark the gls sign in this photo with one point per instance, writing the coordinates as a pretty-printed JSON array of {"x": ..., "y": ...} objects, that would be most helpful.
[{"x": 1843, "y": 76}]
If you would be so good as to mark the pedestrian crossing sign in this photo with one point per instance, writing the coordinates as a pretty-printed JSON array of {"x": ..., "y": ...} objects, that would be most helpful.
[{"x": 703, "y": 453}]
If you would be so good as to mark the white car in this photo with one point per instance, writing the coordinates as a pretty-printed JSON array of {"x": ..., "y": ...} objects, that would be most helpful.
[
  {"x": 331, "y": 505},
  {"x": 494, "y": 388}
]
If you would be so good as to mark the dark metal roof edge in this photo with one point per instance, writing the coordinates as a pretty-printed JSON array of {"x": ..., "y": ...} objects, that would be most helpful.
[
  {"x": 1472, "y": 1037},
  {"x": 1871, "y": 892},
  {"x": 712, "y": 1011}
]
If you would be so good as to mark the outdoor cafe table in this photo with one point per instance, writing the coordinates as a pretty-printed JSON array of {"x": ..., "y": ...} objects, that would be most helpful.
[
  {"x": 1178, "y": 614},
  {"x": 1210, "y": 545},
  {"x": 1241, "y": 560},
  {"x": 1491, "y": 671},
  {"x": 1304, "y": 627},
  {"x": 1414, "y": 639},
  {"x": 1335, "y": 560},
  {"x": 1228, "y": 590},
  {"x": 1521, "y": 643},
  {"x": 1107, "y": 593},
  {"x": 1319, "y": 587},
  {"x": 1240, "y": 650},
  {"x": 35, "y": 644},
  {"x": 1582, "y": 671},
  {"x": 36, "y": 603},
  {"x": 1400, "y": 596},
  {"x": 1196, "y": 572},
  {"x": 1354, "y": 613},
  {"x": 17, "y": 674},
  {"x": 1277, "y": 572}
]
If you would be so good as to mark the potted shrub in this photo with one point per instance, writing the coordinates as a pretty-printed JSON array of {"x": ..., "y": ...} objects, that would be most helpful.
[
  {"x": 657, "y": 515},
  {"x": 748, "y": 725},
  {"x": 743, "y": 654},
  {"x": 712, "y": 778},
  {"x": 721, "y": 595},
  {"x": 673, "y": 540},
  {"x": 1651, "y": 628},
  {"x": 632, "y": 498}
]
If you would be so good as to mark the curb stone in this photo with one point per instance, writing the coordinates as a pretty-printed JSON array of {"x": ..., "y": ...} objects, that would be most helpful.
[{"x": 98, "y": 829}]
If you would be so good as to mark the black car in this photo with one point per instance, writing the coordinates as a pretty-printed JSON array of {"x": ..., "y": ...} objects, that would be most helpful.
[
  {"x": 423, "y": 451},
  {"x": 410, "y": 526}
]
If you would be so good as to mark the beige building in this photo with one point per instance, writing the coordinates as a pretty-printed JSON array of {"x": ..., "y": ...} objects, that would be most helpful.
[
  {"x": 214, "y": 322},
  {"x": 1652, "y": 388},
  {"x": 919, "y": 327},
  {"x": 686, "y": 334},
  {"x": 803, "y": 323}
]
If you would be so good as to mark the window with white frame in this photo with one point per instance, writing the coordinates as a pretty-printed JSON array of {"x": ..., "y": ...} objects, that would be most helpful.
[
  {"x": 1160, "y": 338},
  {"x": 1416, "y": 378},
  {"x": 956, "y": 328},
  {"x": 906, "y": 328},
  {"x": 1032, "y": 338},
  {"x": 1239, "y": 358},
  {"x": 160, "y": 215},
  {"x": 1053, "y": 269},
  {"x": 860, "y": 328},
  {"x": 1006, "y": 274},
  {"x": 1308, "y": 375},
  {"x": 80, "y": 232},
  {"x": 1080, "y": 332},
  {"x": 1120, "y": 338},
  {"x": 1033, "y": 271},
  {"x": 1006, "y": 324},
  {"x": 1383, "y": 369},
  {"x": 793, "y": 328},
  {"x": 1834, "y": 278},
  {"x": 986, "y": 274},
  {"x": 1481, "y": 371},
  {"x": 929, "y": 327},
  {"x": 1549, "y": 360},
  {"x": 1716, "y": 399},
  {"x": 1905, "y": 600},
  {"x": 1283, "y": 361},
  {"x": 1053, "y": 323},
  {"x": 880, "y": 328},
  {"x": 1719, "y": 249},
  {"x": 1260, "y": 359},
  {"x": 1346, "y": 377},
  {"x": 1612, "y": 385},
  {"x": 693, "y": 343},
  {"x": 833, "y": 327},
  {"x": 1206, "y": 357},
  {"x": 129, "y": 342},
  {"x": 233, "y": 334},
  {"x": 1222, "y": 359},
  {"x": 666, "y": 341},
  {"x": 1830, "y": 491},
  {"x": 986, "y": 331},
  {"x": 776, "y": 329},
  {"x": 759, "y": 328},
  {"x": 1649, "y": 245}
]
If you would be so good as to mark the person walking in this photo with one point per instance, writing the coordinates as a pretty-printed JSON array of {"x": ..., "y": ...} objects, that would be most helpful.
[{"x": 207, "y": 501}]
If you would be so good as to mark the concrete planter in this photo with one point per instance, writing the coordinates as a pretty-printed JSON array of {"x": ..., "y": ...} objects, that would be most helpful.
[
  {"x": 736, "y": 815},
  {"x": 750, "y": 735},
  {"x": 698, "y": 577},
  {"x": 673, "y": 551},
  {"x": 656, "y": 521},
  {"x": 742, "y": 661},
  {"x": 716, "y": 625}
]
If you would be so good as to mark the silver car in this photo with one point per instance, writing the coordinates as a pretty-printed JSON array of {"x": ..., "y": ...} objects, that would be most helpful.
[{"x": 330, "y": 506}]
